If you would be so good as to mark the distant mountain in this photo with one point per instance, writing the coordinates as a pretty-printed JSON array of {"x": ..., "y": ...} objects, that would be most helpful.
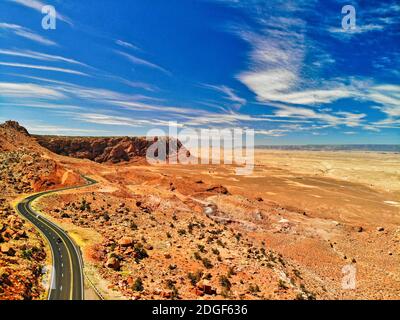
[{"x": 337, "y": 147}]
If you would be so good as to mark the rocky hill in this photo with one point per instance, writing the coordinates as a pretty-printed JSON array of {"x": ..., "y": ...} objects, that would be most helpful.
[
  {"x": 25, "y": 167},
  {"x": 101, "y": 149}
]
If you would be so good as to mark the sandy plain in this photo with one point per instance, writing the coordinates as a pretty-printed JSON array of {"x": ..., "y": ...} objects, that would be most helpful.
[{"x": 322, "y": 211}]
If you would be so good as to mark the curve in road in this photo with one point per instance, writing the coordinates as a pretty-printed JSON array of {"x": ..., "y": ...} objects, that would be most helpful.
[{"x": 67, "y": 275}]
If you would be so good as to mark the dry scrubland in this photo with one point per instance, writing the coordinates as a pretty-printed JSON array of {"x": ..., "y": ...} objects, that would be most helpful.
[
  {"x": 201, "y": 232},
  {"x": 284, "y": 232}
]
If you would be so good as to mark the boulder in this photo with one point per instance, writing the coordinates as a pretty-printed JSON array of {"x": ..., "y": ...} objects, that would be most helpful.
[
  {"x": 218, "y": 189},
  {"x": 126, "y": 241},
  {"x": 113, "y": 263},
  {"x": 205, "y": 286},
  {"x": 166, "y": 294}
]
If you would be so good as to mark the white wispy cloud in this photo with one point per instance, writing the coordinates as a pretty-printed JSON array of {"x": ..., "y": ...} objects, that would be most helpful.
[
  {"x": 229, "y": 94},
  {"x": 38, "y": 5},
  {"x": 59, "y": 130},
  {"x": 126, "y": 44},
  {"x": 339, "y": 118},
  {"x": 276, "y": 85},
  {"x": 45, "y": 68},
  {"x": 114, "y": 120},
  {"x": 99, "y": 94},
  {"x": 278, "y": 75},
  {"x": 39, "y": 56},
  {"x": 26, "y": 33},
  {"x": 140, "y": 106},
  {"x": 387, "y": 99},
  {"x": 276, "y": 64},
  {"x": 272, "y": 132},
  {"x": 388, "y": 96},
  {"x": 133, "y": 84},
  {"x": 28, "y": 90},
  {"x": 138, "y": 61},
  {"x": 358, "y": 29}
]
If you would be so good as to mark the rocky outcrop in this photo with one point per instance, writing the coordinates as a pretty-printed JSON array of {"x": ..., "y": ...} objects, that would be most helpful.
[
  {"x": 27, "y": 167},
  {"x": 102, "y": 149},
  {"x": 14, "y": 125}
]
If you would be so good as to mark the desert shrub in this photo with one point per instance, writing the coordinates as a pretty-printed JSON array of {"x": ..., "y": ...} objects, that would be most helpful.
[
  {"x": 310, "y": 295},
  {"x": 224, "y": 282},
  {"x": 225, "y": 293},
  {"x": 231, "y": 272},
  {"x": 297, "y": 273},
  {"x": 133, "y": 226},
  {"x": 201, "y": 248},
  {"x": 197, "y": 256},
  {"x": 84, "y": 205},
  {"x": 282, "y": 262},
  {"x": 238, "y": 236},
  {"x": 195, "y": 277},
  {"x": 26, "y": 254},
  {"x": 254, "y": 288},
  {"x": 220, "y": 243},
  {"x": 207, "y": 263},
  {"x": 172, "y": 287},
  {"x": 282, "y": 284},
  {"x": 215, "y": 251},
  {"x": 299, "y": 296},
  {"x": 181, "y": 232},
  {"x": 140, "y": 253},
  {"x": 138, "y": 285}
]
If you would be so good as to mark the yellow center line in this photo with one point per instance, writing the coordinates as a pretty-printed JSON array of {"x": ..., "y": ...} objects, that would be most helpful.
[
  {"x": 44, "y": 236},
  {"x": 66, "y": 246}
]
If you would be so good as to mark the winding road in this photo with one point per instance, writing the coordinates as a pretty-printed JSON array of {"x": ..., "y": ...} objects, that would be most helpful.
[{"x": 67, "y": 281}]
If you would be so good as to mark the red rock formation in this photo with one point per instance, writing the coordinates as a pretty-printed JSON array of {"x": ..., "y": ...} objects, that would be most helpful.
[{"x": 109, "y": 149}]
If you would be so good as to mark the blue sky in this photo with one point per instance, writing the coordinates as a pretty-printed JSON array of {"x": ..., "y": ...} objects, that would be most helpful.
[{"x": 286, "y": 69}]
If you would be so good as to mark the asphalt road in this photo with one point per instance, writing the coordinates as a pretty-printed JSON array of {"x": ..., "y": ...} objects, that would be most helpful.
[{"x": 67, "y": 281}]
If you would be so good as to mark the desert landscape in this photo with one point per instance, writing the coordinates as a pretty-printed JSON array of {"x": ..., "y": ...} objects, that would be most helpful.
[{"x": 286, "y": 231}]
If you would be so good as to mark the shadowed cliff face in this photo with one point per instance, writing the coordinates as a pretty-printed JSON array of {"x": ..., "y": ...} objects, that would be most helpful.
[{"x": 102, "y": 149}]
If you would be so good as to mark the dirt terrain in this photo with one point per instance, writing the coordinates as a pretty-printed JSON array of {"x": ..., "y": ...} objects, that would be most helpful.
[
  {"x": 317, "y": 225},
  {"x": 25, "y": 167},
  {"x": 200, "y": 232}
]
